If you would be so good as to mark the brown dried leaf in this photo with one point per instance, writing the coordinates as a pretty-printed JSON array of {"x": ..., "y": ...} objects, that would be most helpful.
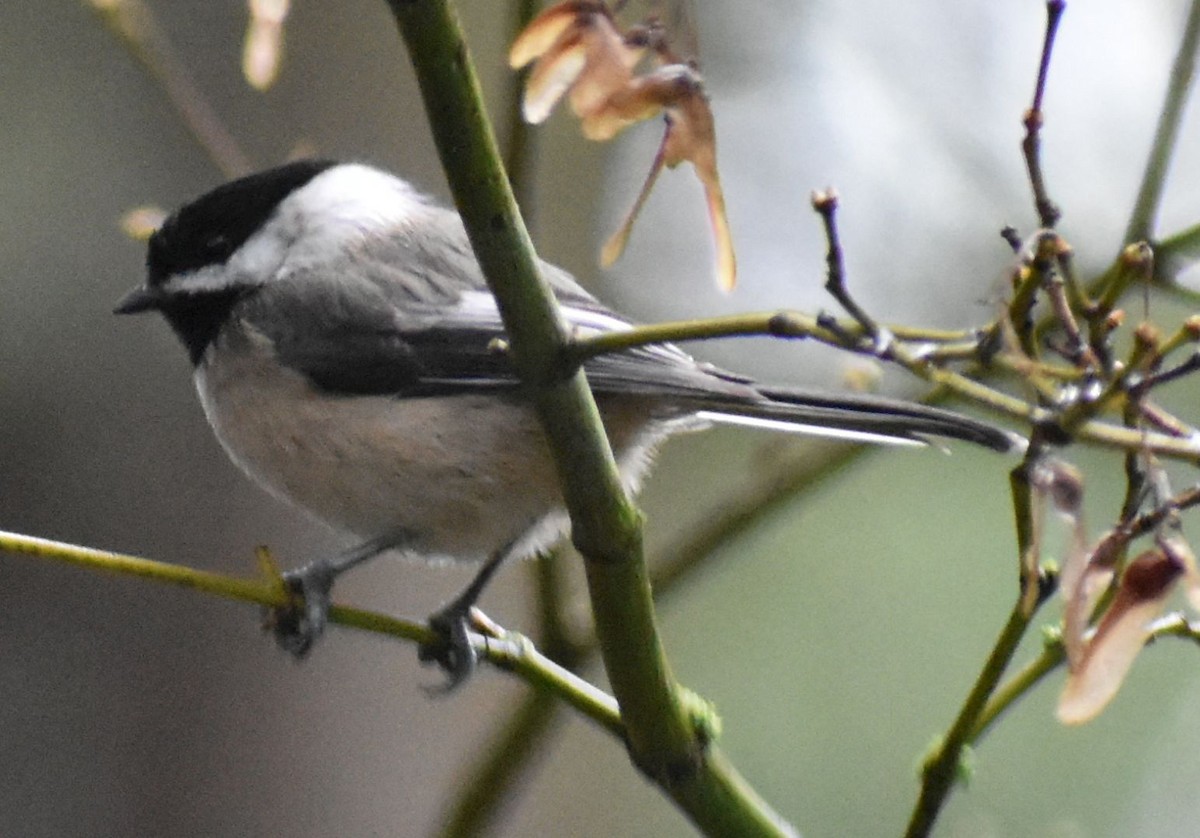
[
  {"x": 690, "y": 135},
  {"x": 611, "y": 62},
  {"x": 547, "y": 27},
  {"x": 615, "y": 246},
  {"x": 1079, "y": 602},
  {"x": 579, "y": 49},
  {"x": 551, "y": 77},
  {"x": 140, "y": 223},
  {"x": 1121, "y": 634},
  {"x": 262, "y": 53}
]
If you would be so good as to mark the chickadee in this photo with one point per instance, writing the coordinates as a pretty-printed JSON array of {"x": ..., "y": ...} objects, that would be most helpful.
[{"x": 344, "y": 345}]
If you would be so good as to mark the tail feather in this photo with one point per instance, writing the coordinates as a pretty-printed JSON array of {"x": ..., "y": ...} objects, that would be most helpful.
[{"x": 860, "y": 417}]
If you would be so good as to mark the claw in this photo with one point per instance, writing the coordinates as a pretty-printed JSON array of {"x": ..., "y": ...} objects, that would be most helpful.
[
  {"x": 453, "y": 651},
  {"x": 297, "y": 625}
]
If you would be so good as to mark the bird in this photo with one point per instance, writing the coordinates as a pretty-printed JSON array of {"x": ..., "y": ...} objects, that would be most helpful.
[{"x": 343, "y": 341}]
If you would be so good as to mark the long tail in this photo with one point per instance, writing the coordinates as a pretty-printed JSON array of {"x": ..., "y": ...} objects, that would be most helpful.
[{"x": 855, "y": 416}]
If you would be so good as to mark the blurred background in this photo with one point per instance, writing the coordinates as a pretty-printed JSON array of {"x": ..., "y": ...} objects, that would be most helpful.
[{"x": 836, "y": 640}]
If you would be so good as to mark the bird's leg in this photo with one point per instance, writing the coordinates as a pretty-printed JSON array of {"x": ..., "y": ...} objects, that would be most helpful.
[
  {"x": 298, "y": 626},
  {"x": 454, "y": 652}
]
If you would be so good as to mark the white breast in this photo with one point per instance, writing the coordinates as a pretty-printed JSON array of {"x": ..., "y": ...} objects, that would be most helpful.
[{"x": 461, "y": 476}]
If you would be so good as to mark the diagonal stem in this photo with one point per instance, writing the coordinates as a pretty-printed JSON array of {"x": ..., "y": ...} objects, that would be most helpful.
[{"x": 1183, "y": 72}]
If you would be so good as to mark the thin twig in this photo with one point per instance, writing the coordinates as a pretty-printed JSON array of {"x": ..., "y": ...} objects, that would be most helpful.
[
  {"x": 134, "y": 22},
  {"x": 1053, "y": 655},
  {"x": 1051, "y": 251},
  {"x": 825, "y": 203},
  {"x": 509, "y": 652},
  {"x": 1135, "y": 263},
  {"x": 845, "y": 334},
  {"x": 1179, "y": 371},
  {"x": 1047, "y": 210},
  {"x": 941, "y": 767},
  {"x": 796, "y": 325},
  {"x": 737, "y": 516},
  {"x": 1147, "y": 522},
  {"x": 500, "y": 768},
  {"x": 1076, "y": 291}
]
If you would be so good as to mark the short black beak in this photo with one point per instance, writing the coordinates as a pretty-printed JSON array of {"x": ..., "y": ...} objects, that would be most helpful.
[{"x": 138, "y": 300}]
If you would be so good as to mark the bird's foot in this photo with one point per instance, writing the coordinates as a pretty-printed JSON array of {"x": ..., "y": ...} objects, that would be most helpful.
[
  {"x": 298, "y": 624},
  {"x": 454, "y": 650}
]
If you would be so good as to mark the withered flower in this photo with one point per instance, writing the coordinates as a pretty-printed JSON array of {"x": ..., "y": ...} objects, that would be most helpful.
[
  {"x": 578, "y": 47},
  {"x": 1098, "y": 659},
  {"x": 262, "y": 52},
  {"x": 1099, "y": 664}
]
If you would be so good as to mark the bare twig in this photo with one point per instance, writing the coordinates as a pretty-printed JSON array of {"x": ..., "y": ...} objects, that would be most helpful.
[
  {"x": 1012, "y": 236},
  {"x": 1052, "y": 250},
  {"x": 1047, "y": 210},
  {"x": 825, "y": 202},
  {"x": 502, "y": 766},
  {"x": 793, "y": 324},
  {"x": 133, "y": 21},
  {"x": 1179, "y": 371},
  {"x": 1175, "y": 253}
]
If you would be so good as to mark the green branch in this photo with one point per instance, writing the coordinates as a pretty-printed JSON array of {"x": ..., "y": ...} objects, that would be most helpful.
[
  {"x": 660, "y": 731},
  {"x": 501, "y": 767},
  {"x": 942, "y": 765},
  {"x": 509, "y": 752},
  {"x": 1183, "y": 72},
  {"x": 1175, "y": 253},
  {"x": 510, "y": 652},
  {"x": 1053, "y": 655}
]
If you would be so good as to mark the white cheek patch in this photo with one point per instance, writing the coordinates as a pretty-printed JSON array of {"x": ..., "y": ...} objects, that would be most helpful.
[
  {"x": 210, "y": 278},
  {"x": 331, "y": 213},
  {"x": 355, "y": 198},
  {"x": 258, "y": 260},
  {"x": 261, "y": 257},
  {"x": 337, "y": 207}
]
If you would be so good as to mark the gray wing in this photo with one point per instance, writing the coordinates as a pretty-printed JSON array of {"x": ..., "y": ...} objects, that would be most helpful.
[{"x": 386, "y": 330}]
